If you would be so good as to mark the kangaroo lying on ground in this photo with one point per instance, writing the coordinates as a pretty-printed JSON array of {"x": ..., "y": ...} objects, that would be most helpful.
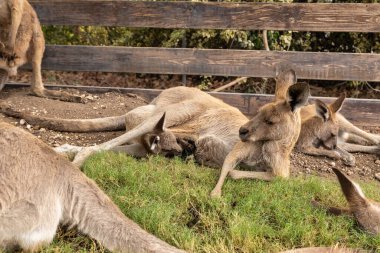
[
  {"x": 199, "y": 123},
  {"x": 267, "y": 138},
  {"x": 22, "y": 41},
  {"x": 192, "y": 116},
  {"x": 365, "y": 211},
  {"x": 348, "y": 133},
  {"x": 320, "y": 129},
  {"x": 40, "y": 189}
]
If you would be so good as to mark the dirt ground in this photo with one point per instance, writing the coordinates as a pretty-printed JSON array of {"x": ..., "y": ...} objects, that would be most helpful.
[{"x": 114, "y": 103}]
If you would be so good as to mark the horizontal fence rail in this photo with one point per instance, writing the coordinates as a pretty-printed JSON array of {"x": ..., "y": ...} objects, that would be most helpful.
[
  {"x": 363, "y": 112},
  {"x": 257, "y": 63},
  {"x": 342, "y": 17}
]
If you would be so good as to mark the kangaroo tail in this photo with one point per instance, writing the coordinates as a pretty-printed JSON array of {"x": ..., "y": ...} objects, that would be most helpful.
[
  {"x": 87, "y": 207},
  {"x": 69, "y": 125},
  {"x": 352, "y": 191}
]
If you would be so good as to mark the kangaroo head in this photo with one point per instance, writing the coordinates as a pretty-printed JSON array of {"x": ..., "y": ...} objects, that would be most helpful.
[
  {"x": 328, "y": 128},
  {"x": 161, "y": 140},
  {"x": 277, "y": 120}
]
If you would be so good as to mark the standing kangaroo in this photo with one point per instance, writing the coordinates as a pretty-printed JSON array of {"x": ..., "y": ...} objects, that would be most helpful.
[
  {"x": 365, "y": 211},
  {"x": 22, "y": 41},
  {"x": 267, "y": 138},
  {"x": 40, "y": 189}
]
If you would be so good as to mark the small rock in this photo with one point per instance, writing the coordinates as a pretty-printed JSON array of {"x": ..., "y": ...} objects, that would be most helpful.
[
  {"x": 22, "y": 122},
  {"x": 103, "y": 106},
  {"x": 95, "y": 108},
  {"x": 29, "y": 127},
  {"x": 42, "y": 129},
  {"x": 332, "y": 164},
  {"x": 377, "y": 161}
]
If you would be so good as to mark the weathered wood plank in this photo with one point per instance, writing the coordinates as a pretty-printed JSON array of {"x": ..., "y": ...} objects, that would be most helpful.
[
  {"x": 364, "y": 112},
  {"x": 248, "y": 16},
  {"x": 218, "y": 62}
]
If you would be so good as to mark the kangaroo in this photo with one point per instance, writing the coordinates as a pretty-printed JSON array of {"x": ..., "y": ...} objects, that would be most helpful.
[
  {"x": 157, "y": 141},
  {"x": 22, "y": 41},
  {"x": 320, "y": 130},
  {"x": 193, "y": 119},
  {"x": 365, "y": 211},
  {"x": 347, "y": 131},
  {"x": 268, "y": 138},
  {"x": 40, "y": 189}
]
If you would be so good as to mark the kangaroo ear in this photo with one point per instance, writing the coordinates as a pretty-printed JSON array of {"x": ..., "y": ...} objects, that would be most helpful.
[
  {"x": 322, "y": 110},
  {"x": 288, "y": 77},
  {"x": 298, "y": 95},
  {"x": 352, "y": 191},
  {"x": 153, "y": 142},
  {"x": 160, "y": 124},
  {"x": 284, "y": 80},
  {"x": 337, "y": 104}
]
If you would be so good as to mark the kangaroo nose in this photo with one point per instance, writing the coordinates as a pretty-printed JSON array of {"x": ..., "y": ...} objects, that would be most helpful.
[{"x": 243, "y": 133}]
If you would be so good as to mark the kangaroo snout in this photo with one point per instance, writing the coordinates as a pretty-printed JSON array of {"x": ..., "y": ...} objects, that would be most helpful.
[{"x": 243, "y": 133}]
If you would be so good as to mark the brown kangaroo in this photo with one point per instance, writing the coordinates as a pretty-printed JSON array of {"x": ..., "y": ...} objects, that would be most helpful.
[
  {"x": 268, "y": 138},
  {"x": 40, "y": 189},
  {"x": 192, "y": 117},
  {"x": 22, "y": 41},
  {"x": 320, "y": 131},
  {"x": 365, "y": 211}
]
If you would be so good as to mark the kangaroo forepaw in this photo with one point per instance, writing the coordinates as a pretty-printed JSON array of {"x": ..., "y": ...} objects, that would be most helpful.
[
  {"x": 216, "y": 193},
  {"x": 82, "y": 155},
  {"x": 349, "y": 160}
]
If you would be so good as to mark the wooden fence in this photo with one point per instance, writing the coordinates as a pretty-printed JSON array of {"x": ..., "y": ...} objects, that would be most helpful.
[{"x": 217, "y": 15}]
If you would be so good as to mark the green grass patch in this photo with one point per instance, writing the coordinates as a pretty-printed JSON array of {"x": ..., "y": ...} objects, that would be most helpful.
[{"x": 170, "y": 198}]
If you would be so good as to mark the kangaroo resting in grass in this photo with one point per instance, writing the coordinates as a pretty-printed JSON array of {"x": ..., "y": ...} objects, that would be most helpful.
[
  {"x": 40, "y": 189},
  {"x": 267, "y": 138},
  {"x": 365, "y": 211},
  {"x": 22, "y": 41}
]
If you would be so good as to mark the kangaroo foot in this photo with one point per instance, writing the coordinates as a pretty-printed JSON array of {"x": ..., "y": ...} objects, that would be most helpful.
[
  {"x": 59, "y": 95},
  {"x": 3, "y": 78}
]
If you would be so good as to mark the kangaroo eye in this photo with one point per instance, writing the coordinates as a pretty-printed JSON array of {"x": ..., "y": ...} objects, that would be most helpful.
[{"x": 269, "y": 122}]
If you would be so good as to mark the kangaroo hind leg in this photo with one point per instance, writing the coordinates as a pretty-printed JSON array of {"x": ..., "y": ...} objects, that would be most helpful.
[
  {"x": 17, "y": 223},
  {"x": 37, "y": 84}
]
